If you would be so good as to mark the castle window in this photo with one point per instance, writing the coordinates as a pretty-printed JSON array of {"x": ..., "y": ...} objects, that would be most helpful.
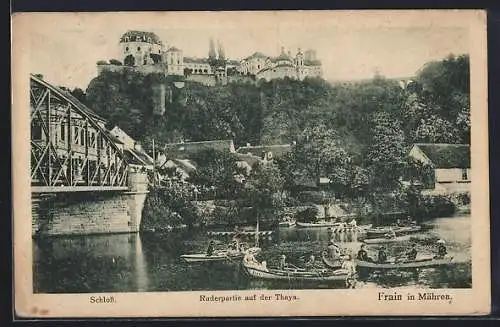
[{"x": 138, "y": 48}]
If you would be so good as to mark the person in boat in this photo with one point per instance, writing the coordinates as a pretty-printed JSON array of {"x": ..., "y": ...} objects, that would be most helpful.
[
  {"x": 390, "y": 234},
  {"x": 363, "y": 254},
  {"x": 382, "y": 255},
  {"x": 211, "y": 248},
  {"x": 282, "y": 262},
  {"x": 350, "y": 267},
  {"x": 334, "y": 250},
  {"x": 411, "y": 255},
  {"x": 441, "y": 250},
  {"x": 310, "y": 263}
]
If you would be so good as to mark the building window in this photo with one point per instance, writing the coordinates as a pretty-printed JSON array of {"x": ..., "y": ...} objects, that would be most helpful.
[
  {"x": 138, "y": 48},
  {"x": 138, "y": 39},
  {"x": 126, "y": 49},
  {"x": 465, "y": 175},
  {"x": 126, "y": 39}
]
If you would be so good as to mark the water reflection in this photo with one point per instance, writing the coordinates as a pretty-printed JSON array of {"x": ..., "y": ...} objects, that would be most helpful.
[{"x": 150, "y": 262}]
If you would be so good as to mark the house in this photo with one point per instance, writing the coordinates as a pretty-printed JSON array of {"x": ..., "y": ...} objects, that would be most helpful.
[
  {"x": 174, "y": 169},
  {"x": 134, "y": 153},
  {"x": 450, "y": 163}
]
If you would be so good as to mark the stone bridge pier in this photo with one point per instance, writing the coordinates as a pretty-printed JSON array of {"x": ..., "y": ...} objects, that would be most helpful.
[{"x": 90, "y": 212}]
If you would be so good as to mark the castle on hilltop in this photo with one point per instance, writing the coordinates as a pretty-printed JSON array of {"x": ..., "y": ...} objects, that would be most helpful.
[{"x": 146, "y": 53}]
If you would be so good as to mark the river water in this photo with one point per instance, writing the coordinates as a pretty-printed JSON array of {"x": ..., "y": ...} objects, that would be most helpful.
[{"x": 150, "y": 261}]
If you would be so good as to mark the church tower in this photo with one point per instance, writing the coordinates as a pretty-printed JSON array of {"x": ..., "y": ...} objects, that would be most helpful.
[{"x": 211, "y": 50}]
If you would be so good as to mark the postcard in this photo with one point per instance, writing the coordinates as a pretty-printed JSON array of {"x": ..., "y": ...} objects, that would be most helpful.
[{"x": 229, "y": 164}]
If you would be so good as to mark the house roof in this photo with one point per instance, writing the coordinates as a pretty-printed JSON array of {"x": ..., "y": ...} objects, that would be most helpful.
[
  {"x": 446, "y": 155},
  {"x": 114, "y": 138},
  {"x": 250, "y": 159},
  {"x": 257, "y": 150},
  {"x": 186, "y": 149}
]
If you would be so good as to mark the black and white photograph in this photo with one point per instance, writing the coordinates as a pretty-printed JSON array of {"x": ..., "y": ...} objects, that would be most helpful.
[{"x": 253, "y": 154}]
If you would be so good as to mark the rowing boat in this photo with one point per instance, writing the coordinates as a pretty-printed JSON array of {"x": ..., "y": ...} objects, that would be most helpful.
[
  {"x": 261, "y": 271},
  {"x": 419, "y": 263},
  {"x": 319, "y": 224},
  {"x": 383, "y": 240},
  {"x": 398, "y": 230},
  {"x": 217, "y": 256},
  {"x": 330, "y": 262}
]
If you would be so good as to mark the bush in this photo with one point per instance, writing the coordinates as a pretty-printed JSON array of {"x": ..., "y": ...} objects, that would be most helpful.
[
  {"x": 434, "y": 206},
  {"x": 167, "y": 207}
]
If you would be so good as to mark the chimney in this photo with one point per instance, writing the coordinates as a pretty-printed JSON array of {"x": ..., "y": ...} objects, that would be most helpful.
[{"x": 248, "y": 145}]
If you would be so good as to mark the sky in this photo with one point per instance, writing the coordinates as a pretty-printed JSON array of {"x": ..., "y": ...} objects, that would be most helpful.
[{"x": 65, "y": 47}]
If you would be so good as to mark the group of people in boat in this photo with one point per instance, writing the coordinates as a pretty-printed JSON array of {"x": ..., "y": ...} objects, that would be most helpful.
[{"x": 409, "y": 255}]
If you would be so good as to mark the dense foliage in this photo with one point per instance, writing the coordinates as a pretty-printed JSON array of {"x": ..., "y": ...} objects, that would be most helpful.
[{"x": 356, "y": 134}]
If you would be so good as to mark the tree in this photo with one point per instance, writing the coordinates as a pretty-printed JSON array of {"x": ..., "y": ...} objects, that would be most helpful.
[
  {"x": 79, "y": 94},
  {"x": 386, "y": 153},
  {"x": 264, "y": 188},
  {"x": 216, "y": 169}
]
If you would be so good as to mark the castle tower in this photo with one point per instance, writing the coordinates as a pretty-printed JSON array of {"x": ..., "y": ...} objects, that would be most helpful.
[
  {"x": 300, "y": 58},
  {"x": 222, "y": 56},
  {"x": 211, "y": 51},
  {"x": 141, "y": 48}
]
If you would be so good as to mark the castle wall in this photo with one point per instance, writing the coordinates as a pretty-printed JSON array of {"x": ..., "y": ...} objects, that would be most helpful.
[{"x": 208, "y": 80}]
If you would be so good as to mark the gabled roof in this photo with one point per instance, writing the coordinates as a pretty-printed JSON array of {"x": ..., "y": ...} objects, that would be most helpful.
[
  {"x": 250, "y": 159},
  {"x": 257, "y": 150},
  {"x": 443, "y": 155},
  {"x": 187, "y": 149}
]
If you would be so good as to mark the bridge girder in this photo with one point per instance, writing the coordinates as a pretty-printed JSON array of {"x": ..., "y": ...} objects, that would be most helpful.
[{"x": 70, "y": 145}]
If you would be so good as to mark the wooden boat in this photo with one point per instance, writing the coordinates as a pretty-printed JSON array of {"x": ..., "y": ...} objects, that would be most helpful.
[
  {"x": 319, "y": 224},
  {"x": 398, "y": 230},
  {"x": 246, "y": 233},
  {"x": 289, "y": 223},
  {"x": 330, "y": 262},
  {"x": 217, "y": 256},
  {"x": 419, "y": 263},
  {"x": 385, "y": 240},
  {"x": 260, "y": 271}
]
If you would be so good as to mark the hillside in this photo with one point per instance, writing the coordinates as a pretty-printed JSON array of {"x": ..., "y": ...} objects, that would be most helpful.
[{"x": 435, "y": 109}]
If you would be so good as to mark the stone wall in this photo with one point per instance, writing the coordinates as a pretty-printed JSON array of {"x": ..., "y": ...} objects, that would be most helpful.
[{"x": 91, "y": 212}]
